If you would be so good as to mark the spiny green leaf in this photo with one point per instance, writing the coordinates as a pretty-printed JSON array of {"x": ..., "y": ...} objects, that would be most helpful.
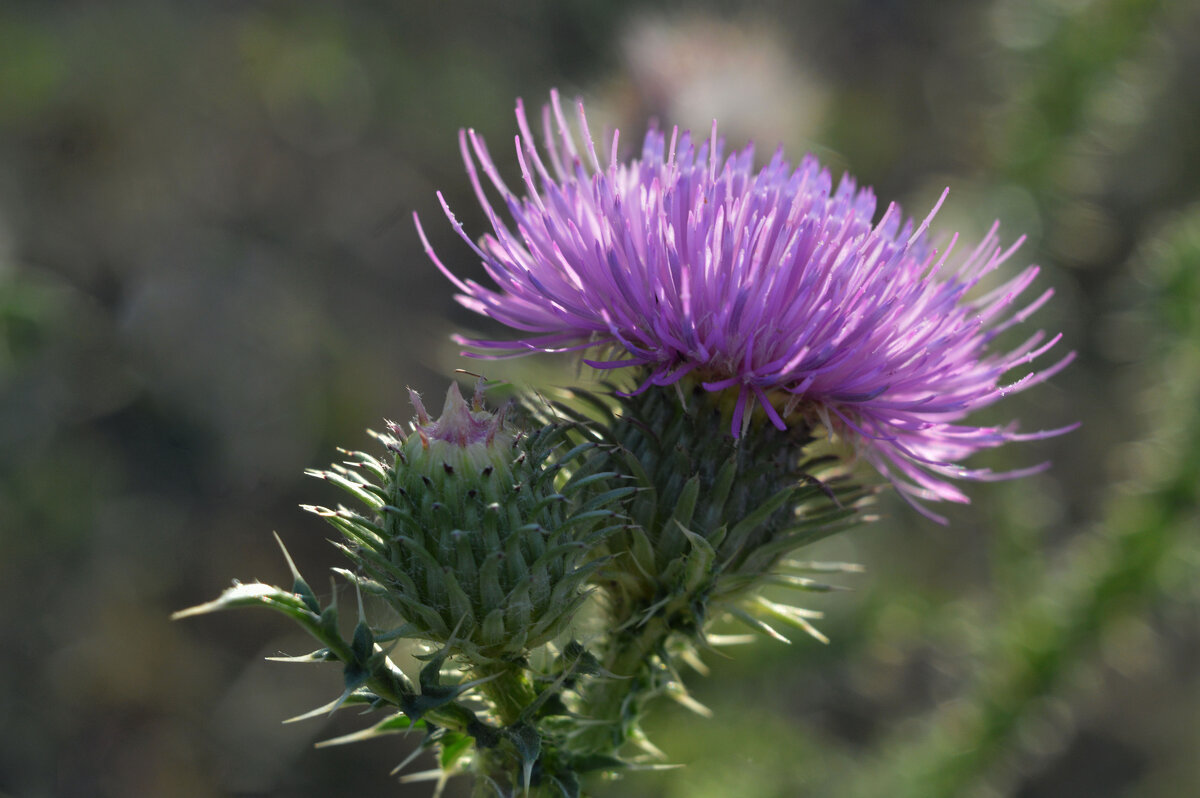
[
  {"x": 254, "y": 594},
  {"x": 396, "y": 724}
]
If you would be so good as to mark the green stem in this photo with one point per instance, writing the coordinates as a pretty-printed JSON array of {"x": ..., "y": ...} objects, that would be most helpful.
[
  {"x": 510, "y": 694},
  {"x": 509, "y": 690},
  {"x": 609, "y": 699}
]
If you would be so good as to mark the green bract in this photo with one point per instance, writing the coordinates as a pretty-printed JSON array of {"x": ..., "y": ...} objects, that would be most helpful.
[
  {"x": 470, "y": 534},
  {"x": 713, "y": 518}
]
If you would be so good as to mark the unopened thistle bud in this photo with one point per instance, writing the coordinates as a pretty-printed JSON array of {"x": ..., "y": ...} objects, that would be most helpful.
[{"x": 472, "y": 539}]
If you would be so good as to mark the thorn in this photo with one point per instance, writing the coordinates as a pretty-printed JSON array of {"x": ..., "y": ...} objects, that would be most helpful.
[
  {"x": 407, "y": 760},
  {"x": 291, "y": 565},
  {"x": 681, "y": 696},
  {"x": 330, "y": 707}
]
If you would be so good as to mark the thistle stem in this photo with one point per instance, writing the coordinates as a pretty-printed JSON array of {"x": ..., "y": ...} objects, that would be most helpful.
[
  {"x": 509, "y": 690},
  {"x": 510, "y": 694},
  {"x": 615, "y": 702}
]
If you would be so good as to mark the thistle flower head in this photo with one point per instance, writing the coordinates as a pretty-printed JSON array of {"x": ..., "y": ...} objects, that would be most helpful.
[
  {"x": 771, "y": 284},
  {"x": 472, "y": 536}
]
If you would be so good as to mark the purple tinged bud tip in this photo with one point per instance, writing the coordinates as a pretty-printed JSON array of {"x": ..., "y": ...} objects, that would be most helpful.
[{"x": 459, "y": 424}]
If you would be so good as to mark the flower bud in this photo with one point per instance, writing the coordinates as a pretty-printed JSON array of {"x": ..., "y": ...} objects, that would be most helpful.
[{"x": 474, "y": 541}]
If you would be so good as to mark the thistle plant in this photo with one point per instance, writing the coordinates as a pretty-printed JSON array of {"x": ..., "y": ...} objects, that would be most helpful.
[{"x": 558, "y": 560}]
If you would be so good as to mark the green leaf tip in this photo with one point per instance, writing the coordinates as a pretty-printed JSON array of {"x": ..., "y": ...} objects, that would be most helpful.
[{"x": 252, "y": 594}]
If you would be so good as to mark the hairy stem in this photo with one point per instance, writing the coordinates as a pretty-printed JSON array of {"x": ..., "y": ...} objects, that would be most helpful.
[
  {"x": 509, "y": 690},
  {"x": 616, "y": 702}
]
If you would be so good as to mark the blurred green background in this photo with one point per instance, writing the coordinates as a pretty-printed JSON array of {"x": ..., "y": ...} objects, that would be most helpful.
[{"x": 209, "y": 278}]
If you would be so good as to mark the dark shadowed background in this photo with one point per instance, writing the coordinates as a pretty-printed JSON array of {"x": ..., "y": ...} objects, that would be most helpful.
[{"x": 209, "y": 278}]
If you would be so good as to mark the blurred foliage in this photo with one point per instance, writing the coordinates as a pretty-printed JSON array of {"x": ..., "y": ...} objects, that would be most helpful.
[{"x": 208, "y": 279}]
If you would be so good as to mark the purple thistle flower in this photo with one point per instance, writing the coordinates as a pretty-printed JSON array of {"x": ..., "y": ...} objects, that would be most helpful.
[{"x": 771, "y": 284}]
